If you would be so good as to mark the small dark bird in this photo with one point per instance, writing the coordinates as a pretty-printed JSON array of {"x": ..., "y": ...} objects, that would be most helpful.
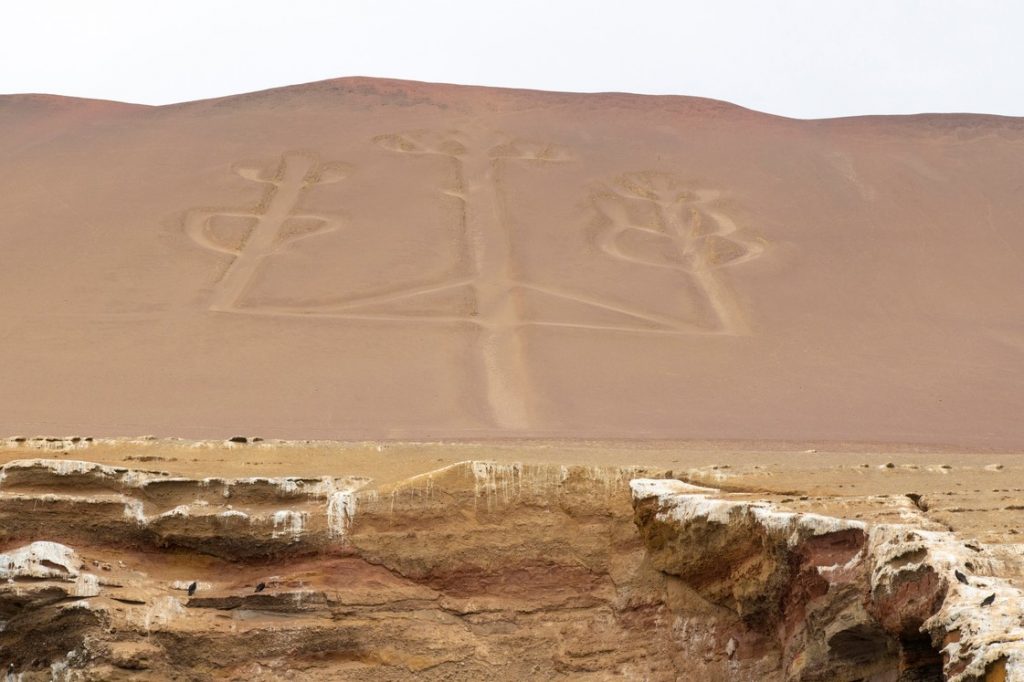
[
  {"x": 260, "y": 587},
  {"x": 960, "y": 577},
  {"x": 192, "y": 589},
  {"x": 988, "y": 600}
]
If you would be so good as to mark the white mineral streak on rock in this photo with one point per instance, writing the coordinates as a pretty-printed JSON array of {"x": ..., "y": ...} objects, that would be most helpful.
[
  {"x": 288, "y": 522},
  {"x": 59, "y": 497},
  {"x": 65, "y": 467},
  {"x": 136, "y": 479},
  {"x": 180, "y": 479},
  {"x": 323, "y": 487},
  {"x": 682, "y": 502},
  {"x": 183, "y": 510},
  {"x": 87, "y": 585},
  {"x": 502, "y": 484},
  {"x": 341, "y": 512},
  {"x": 132, "y": 478},
  {"x": 689, "y": 507},
  {"x": 134, "y": 510},
  {"x": 986, "y": 634},
  {"x": 299, "y": 596},
  {"x": 42, "y": 559},
  {"x": 58, "y": 671},
  {"x": 286, "y": 485},
  {"x": 128, "y": 478},
  {"x": 803, "y": 524},
  {"x": 609, "y": 477},
  {"x": 644, "y": 488},
  {"x": 695, "y": 636},
  {"x": 544, "y": 480},
  {"x": 64, "y": 670},
  {"x": 493, "y": 480}
]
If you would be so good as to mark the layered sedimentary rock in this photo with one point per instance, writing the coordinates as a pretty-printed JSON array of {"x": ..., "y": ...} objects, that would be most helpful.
[
  {"x": 480, "y": 569},
  {"x": 474, "y": 568},
  {"x": 846, "y": 599}
]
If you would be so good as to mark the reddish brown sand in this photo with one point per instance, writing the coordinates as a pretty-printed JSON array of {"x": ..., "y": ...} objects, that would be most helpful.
[{"x": 368, "y": 259}]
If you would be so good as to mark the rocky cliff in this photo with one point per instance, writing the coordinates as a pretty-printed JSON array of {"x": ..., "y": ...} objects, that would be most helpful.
[
  {"x": 485, "y": 570},
  {"x": 841, "y": 599}
]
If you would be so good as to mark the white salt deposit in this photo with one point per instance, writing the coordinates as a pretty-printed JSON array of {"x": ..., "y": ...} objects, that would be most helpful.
[
  {"x": 41, "y": 559},
  {"x": 87, "y": 585},
  {"x": 341, "y": 512},
  {"x": 494, "y": 481},
  {"x": 682, "y": 502},
  {"x": 288, "y": 522}
]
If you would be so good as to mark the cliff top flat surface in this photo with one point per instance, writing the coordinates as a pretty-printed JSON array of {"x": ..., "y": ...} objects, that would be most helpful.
[
  {"x": 966, "y": 491},
  {"x": 370, "y": 259}
]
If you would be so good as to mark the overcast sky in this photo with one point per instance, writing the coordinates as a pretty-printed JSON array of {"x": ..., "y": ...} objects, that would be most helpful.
[{"x": 801, "y": 58}]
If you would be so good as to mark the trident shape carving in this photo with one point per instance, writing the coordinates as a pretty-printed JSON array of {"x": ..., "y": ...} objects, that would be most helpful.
[
  {"x": 652, "y": 219},
  {"x": 496, "y": 291},
  {"x": 648, "y": 219},
  {"x": 269, "y": 226}
]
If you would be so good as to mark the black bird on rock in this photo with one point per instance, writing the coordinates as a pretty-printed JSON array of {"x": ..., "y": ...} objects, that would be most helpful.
[
  {"x": 960, "y": 577},
  {"x": 988, "y": 600},
  {"x": 192, "y": 588},
  {"x": 260, "y": 587}
]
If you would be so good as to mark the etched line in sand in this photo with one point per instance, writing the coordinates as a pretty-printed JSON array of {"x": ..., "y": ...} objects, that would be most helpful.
[
  {"x": 497, "y": 310},
  {"x": 689, "y": 233},
  {"x": 292, "y": 176},
  {"x": 652, "y": 219}
]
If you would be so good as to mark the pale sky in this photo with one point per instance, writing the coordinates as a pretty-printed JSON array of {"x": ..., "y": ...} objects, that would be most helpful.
[{"x": 800, "y": 58}]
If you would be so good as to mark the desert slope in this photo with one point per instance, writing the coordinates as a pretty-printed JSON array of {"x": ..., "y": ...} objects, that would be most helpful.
[{"x": 381, "y": 259}]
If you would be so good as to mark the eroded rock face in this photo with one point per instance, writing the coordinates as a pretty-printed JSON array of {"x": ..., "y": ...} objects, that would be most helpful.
[
  {"x": 536, "y": 571},
  {"x": 478, "y": 570},
  {"x": 846, "y": 600},
  {"x": 747, "y": 556},
  {"x": 228, "y": 518},
  {"x": 796, "y": 578}
]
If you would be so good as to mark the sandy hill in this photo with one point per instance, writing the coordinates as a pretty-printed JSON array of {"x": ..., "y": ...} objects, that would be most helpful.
[{"x": 364, "y": 258}]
